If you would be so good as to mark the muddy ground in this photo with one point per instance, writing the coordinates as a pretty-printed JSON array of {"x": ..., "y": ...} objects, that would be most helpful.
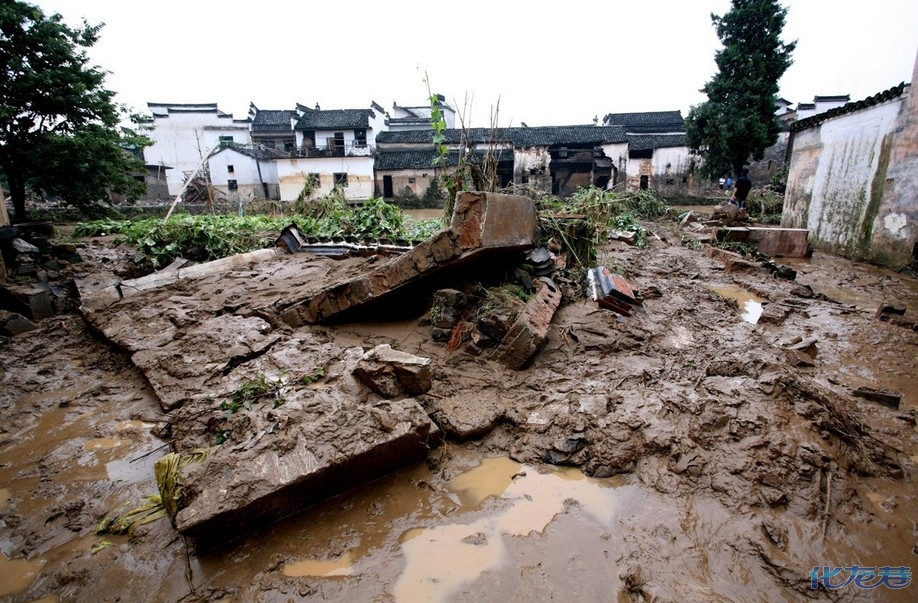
[{"x": 679, "y": 453}]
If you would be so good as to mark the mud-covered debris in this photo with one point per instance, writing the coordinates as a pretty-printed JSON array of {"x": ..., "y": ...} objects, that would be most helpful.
[
  {"x": 391, "y": 373},
  {"x": 447, "y": 309},
  {"x": 611, "y": 291},
  {"x": 890, "y": 309},
  {"x": 882, "y": 396},
  {"x": 541, "y": 260},
  {"x": 773, "y": 314},
  {"x": 12, "y": 324},
  {"x": 780, "y": 270},
  {"x": 467, "y": 417}
]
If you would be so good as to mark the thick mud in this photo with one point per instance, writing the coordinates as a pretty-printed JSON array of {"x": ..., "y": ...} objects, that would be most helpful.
[{"x": 684, "y": 452}]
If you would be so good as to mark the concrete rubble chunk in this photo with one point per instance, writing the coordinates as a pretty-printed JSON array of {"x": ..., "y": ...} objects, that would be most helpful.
[
  {"x": 530, "y": 330},
  {"x": 12, "y": 323},
  {"x": 32, "y": 302},
  {"x": 465, "y": 417},
  {"x": 483, "y": 225},
  {"x": 23, "y": 246},
  {"x": 391, "y": 373}
]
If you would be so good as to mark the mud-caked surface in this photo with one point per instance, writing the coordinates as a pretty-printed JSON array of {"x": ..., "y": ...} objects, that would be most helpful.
[{"x": 733, "y": 456}]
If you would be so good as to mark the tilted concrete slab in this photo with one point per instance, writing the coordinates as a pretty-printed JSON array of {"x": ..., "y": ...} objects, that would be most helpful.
[
  {"x": 313, "y": 460},
  {"x": 483, "y": 225},
  {"x": 529, "y": 332}
]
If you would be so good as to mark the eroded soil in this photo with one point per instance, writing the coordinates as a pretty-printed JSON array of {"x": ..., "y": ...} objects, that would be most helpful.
[{"x": 725, "y": 458}]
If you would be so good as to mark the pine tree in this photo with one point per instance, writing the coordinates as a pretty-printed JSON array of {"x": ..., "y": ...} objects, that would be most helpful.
[
  {"x": 59, "y": 126},
  {"x": 738, "y": 119}
]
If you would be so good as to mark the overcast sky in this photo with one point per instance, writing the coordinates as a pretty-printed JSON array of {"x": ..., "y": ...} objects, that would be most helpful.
[{"x": 548, "y": 63}]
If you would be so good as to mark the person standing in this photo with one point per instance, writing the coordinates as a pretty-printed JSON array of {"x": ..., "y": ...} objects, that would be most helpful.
[{"x": 743, "y": 186}]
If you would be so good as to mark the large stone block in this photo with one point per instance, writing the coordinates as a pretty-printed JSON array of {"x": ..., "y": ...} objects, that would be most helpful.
[{"x": 391, "y": 373}]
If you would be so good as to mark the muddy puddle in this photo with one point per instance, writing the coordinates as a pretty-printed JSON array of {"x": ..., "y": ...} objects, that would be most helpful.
[{"x": 749, "y": 304}]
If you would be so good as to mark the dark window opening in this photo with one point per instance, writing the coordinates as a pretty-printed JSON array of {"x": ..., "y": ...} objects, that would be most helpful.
[
  {"x": 140, "y": 178},
  {"x": 411, "y": 181},
  {"x": 232, "y": 185},
  {"x": 684, "y": 180},
  {"x": 387, "y": 186},
  {"x": 341, "y": 179},
  {"x": 670, "y": 181},
  {"x": 360, "y": 138},
  {"x": 230, "y": 169},
  {"x": 645, "y": 181},
  {"x": 226, "y": 141}
]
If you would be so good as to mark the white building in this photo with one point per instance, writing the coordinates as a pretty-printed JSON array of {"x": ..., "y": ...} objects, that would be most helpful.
[
  {"x": 244, "y": 173},
  {"x": 334, "y": 148},
  {"x": 418, "y": 118},
  {"x": 184, "y": 135}
]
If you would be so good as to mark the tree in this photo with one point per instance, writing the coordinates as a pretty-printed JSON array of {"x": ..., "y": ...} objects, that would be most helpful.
[
  {"x": 738, "y": 119},
  {"x": 59, "y": 125}
]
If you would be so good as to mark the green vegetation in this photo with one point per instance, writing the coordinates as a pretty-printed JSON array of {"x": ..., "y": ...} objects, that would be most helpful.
[
  {"x": 208, "y": 237},
  {"x": 60, "y": 130},
  {"x": 738, "y": 119},
  {"x": 577, "y": 226}
]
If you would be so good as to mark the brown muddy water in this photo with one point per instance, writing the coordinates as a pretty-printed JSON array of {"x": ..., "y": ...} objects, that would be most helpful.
[{"x": 748, "y": 303}]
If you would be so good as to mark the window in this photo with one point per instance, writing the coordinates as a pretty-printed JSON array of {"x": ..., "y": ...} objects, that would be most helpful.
[
  {"x": 232, "y": 185},
  {"x": 360, "y": 138},
  {"x": 411, "y": 181},
  {"x": 670, "y": 181},
  {"x": 226, "y": 141},
  {"x": 341, "y": 179},
  {"x": 229, "y": 169}
]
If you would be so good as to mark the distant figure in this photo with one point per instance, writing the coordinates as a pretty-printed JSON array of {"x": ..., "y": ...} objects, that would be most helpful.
[
  {"x": 729, "y": 182},
  {"x": 720, "y": 183},
  {"x": 743, "y": 186}
]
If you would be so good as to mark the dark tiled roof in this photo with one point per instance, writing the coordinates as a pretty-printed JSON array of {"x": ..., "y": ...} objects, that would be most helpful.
[
  {"x": 519, "y": 137},
  {"x": 405, "y": 160},
  {"x": 262, "y": 153},
  {"x": 271, "y": 120},
  {"x": 832, "y": 99},
  {"x": 647, "y": 122},
  {"x": 334, "y": 119},
  {"x": 642, "y": 142},
  {"x": 419, "y": 159},
  {"x": 881, "y": 97},
  {"x": 806, "y": 106}
]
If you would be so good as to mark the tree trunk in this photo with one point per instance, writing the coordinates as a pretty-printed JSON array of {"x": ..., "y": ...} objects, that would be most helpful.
[{"x": 17, "y": 194}]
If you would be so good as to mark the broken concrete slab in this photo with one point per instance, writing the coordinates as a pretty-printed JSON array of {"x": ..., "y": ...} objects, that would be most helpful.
[
  {"x": 391, "y": 373},
  {"x": 315, "y": 459},
  {"x": 527, "y": 335},
  {"x": 13, "y": 323},
  {"x": 773, "y": 314},
  {"x": 483, "y": 225},
  {"x": 774, "y": 242},
  {"x": 173, "y": 273}
]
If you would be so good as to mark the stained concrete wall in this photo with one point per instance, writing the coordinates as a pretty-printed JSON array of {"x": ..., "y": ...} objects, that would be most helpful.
[
  {"x": 852, "y": 181},
  {"x": 292, "y": 173}
]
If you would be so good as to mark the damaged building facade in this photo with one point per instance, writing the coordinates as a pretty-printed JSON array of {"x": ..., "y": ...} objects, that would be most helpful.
[{"x": 853, "y": 178}]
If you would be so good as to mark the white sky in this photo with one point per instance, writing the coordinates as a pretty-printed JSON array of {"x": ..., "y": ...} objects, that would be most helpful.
[{"x": 548, "y": 63}]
